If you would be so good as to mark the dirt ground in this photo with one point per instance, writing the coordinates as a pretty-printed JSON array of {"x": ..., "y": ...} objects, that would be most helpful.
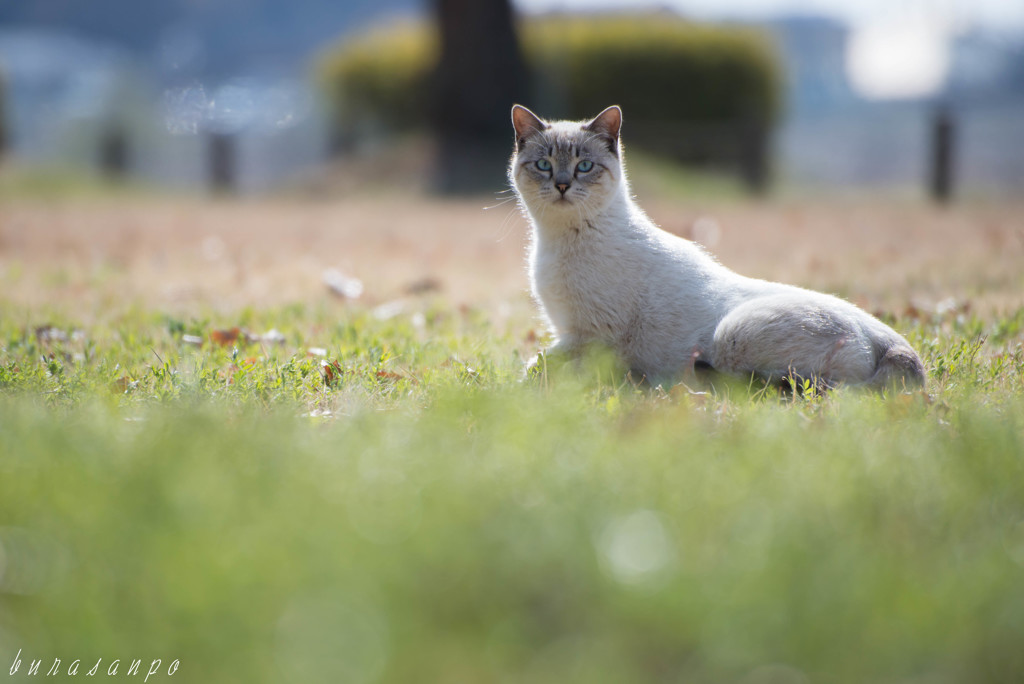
[{"x": 95, "y": 257}]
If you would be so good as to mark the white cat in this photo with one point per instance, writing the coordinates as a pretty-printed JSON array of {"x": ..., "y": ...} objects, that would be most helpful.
[{"x": 603, "y": 272}]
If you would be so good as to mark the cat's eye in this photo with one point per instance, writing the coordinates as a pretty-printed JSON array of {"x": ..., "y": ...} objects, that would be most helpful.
[
  {"x": 584, "y": 166},
  {"x": 543, "y": 164}
]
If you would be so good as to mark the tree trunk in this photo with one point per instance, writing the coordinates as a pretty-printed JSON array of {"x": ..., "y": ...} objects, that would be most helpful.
[{"x": 479, "y": 77}]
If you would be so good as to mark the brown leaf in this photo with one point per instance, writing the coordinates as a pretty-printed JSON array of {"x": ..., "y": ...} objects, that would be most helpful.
[
  {"x": 225, "y": 337},
  {"x": 122, "y": 385},
  {"x": 423, "y": 285},
  {"x": 331, "y": 371}
]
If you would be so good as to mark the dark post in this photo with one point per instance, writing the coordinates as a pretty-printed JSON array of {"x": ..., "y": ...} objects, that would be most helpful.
[
  {"x": 754, "y": 157},
  {"x": 3, "y": 116},
  {"x": 479, "y": 77},
  {"x": 942, "y": 155},
  {"x": 114, "y": 153},
  {"x": 222, "y": 163}
]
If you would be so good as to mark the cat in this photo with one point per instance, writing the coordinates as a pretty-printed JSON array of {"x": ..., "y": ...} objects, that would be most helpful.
[{"x": 602, "y": 272}]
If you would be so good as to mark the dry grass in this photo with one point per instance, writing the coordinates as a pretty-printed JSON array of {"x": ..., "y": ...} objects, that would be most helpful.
[{"x": 100, "y": 255}]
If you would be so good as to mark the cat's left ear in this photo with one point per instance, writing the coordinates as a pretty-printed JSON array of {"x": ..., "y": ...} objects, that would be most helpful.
[{"x": 607, "y": 124}]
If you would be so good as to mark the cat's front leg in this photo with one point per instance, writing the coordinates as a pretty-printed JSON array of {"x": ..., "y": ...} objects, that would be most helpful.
[{"x": 566, "y": 349}]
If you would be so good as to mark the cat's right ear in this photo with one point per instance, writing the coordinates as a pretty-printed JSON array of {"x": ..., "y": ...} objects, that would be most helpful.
[{"x": 526, "y": 124}]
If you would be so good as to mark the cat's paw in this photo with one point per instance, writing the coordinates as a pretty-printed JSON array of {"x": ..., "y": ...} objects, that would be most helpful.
[
  {"x": 537, "y": 368},
  {"x": 534, "y": 369},
  {"x": 546, "y": 363}
]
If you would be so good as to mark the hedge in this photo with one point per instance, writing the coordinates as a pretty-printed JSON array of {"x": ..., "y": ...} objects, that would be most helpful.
[
  {"x": 659, "y": 68},
  {"x": 382, "y": 76}
]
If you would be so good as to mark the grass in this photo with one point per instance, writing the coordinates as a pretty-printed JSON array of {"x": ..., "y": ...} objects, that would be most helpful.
[
  {"x": 49, "y": 183},
  {"x": 204, "y": 457},
  {"x": 370, "y": 499}
]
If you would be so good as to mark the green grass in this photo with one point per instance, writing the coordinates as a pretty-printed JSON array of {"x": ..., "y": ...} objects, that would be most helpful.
[
  {"x": 19, "y": 182},
  {"x": 417, "y": 514}
]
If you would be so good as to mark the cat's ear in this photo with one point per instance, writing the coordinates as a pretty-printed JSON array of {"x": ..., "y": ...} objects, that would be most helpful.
[
  {"x": 526, "y": 124},
  {"x": 607, "y": 125}
]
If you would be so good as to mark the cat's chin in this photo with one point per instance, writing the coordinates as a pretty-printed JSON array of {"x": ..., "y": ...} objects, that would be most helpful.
[{"x": 562, "y": 206}]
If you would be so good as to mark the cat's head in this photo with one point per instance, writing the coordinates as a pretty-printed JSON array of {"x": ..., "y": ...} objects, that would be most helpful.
[{"x": 567, "y": 168}]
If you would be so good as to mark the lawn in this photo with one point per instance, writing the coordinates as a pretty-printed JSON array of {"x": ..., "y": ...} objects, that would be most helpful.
[{"x": 209, "y": 457}]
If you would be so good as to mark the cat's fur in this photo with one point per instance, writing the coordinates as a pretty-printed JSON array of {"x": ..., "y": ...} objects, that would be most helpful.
[{"x": 603, "y": 272}]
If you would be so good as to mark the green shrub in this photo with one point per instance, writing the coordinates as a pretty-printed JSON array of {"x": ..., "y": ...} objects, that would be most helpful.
[
  {"x": 659, "y": 68},
  {"x": 383, "y": 77},
  {"x": 656, "y": 68}
]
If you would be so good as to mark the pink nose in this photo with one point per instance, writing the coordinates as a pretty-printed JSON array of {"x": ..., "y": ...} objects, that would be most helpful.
[{"x": 562, "y": 187}]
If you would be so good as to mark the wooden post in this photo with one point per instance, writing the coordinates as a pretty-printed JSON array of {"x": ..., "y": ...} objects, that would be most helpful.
[
  {"x": 3, "y": 116},
  {"x": 754, "y": 163},
  {"x": 942, "y": 155},
  {"x": 222, "y": 163},
  {"x": 114, "y": 153}
]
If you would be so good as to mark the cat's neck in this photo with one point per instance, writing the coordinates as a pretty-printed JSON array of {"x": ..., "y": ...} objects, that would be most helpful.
[{"x": 567, "y": 223}]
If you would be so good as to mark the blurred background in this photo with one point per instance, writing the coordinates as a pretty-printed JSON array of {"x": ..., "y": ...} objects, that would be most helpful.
[
  {"x": 249, "y": 96},
  {"x": 221, "y": 219}
]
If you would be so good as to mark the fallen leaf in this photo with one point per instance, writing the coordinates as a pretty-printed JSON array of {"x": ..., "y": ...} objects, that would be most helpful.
[
  {"x": 194, "y": 340},
  {"x": 342, "y": 285},
  {"x": 48, "y": 333},
  {"x": 423, "y": 285},
  {"x": 273, "y": 336},
  {"x": 123, "y": 385},
  {"x": 391, "y": 376},
  {"x": 225, "y": 337},
  {"x": 389, "y": 310},
  {"x": 331, "y": 371}
]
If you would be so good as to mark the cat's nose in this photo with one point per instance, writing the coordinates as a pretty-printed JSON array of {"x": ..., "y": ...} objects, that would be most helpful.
[{"x": 562, "y": 187}]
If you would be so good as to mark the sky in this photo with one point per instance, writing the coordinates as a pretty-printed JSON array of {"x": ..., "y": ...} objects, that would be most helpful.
[
  {"x": 989, "y": 13},
  {"x": 896, "y": 48}
]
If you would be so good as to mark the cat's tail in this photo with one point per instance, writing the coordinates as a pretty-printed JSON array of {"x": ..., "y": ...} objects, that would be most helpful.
[{"x": 899, "y": 368}]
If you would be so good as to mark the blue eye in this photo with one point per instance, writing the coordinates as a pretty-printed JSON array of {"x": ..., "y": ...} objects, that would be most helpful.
[
  {"x": 584, "y": 166},
  {"x": 543, "y": 165}
]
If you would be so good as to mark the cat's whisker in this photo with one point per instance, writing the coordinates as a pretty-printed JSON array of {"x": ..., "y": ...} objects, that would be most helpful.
[
  {"x": 501, "y": 203},
  {"x": 507, "y": 226}
]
